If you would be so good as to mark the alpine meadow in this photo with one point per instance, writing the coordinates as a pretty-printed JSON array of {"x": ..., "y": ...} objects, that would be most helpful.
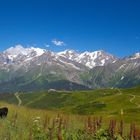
[{"x": 69, "y": 70}]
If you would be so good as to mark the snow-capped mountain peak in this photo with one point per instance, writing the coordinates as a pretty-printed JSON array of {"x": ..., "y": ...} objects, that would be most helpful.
[
  {"x": 133, "y": 57},
  {"x": 20, "y": 50},
  {"x": 136, "y": 55},
  {"x": 20, "y": 53},
  {"x": 89, "y": 59},
  {"x": 69, "y": 54},
  {"x": 65, "y": 52},
  {"x": 38, "y": 51},
  {"x": 96, "y": 58}
]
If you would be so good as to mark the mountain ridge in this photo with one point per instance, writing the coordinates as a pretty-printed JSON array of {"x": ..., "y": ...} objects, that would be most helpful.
[
  {"x": 89, "y": 59},
  {"x": 40, "y": 67}
]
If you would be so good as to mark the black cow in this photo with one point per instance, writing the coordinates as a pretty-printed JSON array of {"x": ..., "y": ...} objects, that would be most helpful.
[{"x": 3, "y": 112}]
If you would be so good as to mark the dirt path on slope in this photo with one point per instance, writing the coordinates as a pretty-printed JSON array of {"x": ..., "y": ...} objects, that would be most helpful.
[
  {"x": 18, "y": 98},
  {"x": 120, "y": 93},
  {"x": 132, "y": 99}
]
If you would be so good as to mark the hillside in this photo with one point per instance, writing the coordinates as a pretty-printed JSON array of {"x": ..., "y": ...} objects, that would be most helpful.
[
  {"x": 36, "y": 124},
  {"x": 114, "y": 103},
  {"x": 122, "y": 74}
]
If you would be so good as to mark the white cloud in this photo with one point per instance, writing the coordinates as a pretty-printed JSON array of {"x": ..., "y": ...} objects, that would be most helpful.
[
  {"x": 47, "y": 45},
  {"x": 58, "y": 42}
]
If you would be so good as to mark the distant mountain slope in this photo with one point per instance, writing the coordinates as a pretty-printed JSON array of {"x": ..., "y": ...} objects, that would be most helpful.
[
  {"x": 122, "y": 73},
  {"x": 38, "y": 69},
  {"x": 39, "y": 85}
]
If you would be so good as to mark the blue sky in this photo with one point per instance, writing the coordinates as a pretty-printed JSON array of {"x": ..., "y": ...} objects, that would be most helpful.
[{"x": 110, "y": 25}]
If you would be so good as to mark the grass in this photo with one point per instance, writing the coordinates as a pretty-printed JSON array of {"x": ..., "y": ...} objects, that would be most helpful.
[
  {"x": 35, "y": 124},
  {"x": 111, "y": 103},
  {"x": 64, "y": 115}
]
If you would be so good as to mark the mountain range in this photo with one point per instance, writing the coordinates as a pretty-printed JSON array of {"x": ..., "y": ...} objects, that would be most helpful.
[{"x": 35, "y": 69}]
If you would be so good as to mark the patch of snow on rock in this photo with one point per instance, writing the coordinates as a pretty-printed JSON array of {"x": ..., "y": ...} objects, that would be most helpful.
[{"x": 122, "y": 77}]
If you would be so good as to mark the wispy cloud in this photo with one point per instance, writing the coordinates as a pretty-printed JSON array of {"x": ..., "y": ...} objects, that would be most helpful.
[
  {"x": 58, "y": 42},
  {"x": 47, "y": 45}
]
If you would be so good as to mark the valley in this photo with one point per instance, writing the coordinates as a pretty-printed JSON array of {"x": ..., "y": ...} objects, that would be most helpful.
[{"x": 105, "y": 102}]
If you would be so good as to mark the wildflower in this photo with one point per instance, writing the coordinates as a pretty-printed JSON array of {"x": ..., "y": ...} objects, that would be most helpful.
[{"x": 35, "y": 121}]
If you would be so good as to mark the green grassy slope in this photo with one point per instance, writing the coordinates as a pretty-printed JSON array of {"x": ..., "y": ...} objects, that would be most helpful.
[
  {"x": 35, "y": 124},
  {"x": 107, "y": 102}
]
